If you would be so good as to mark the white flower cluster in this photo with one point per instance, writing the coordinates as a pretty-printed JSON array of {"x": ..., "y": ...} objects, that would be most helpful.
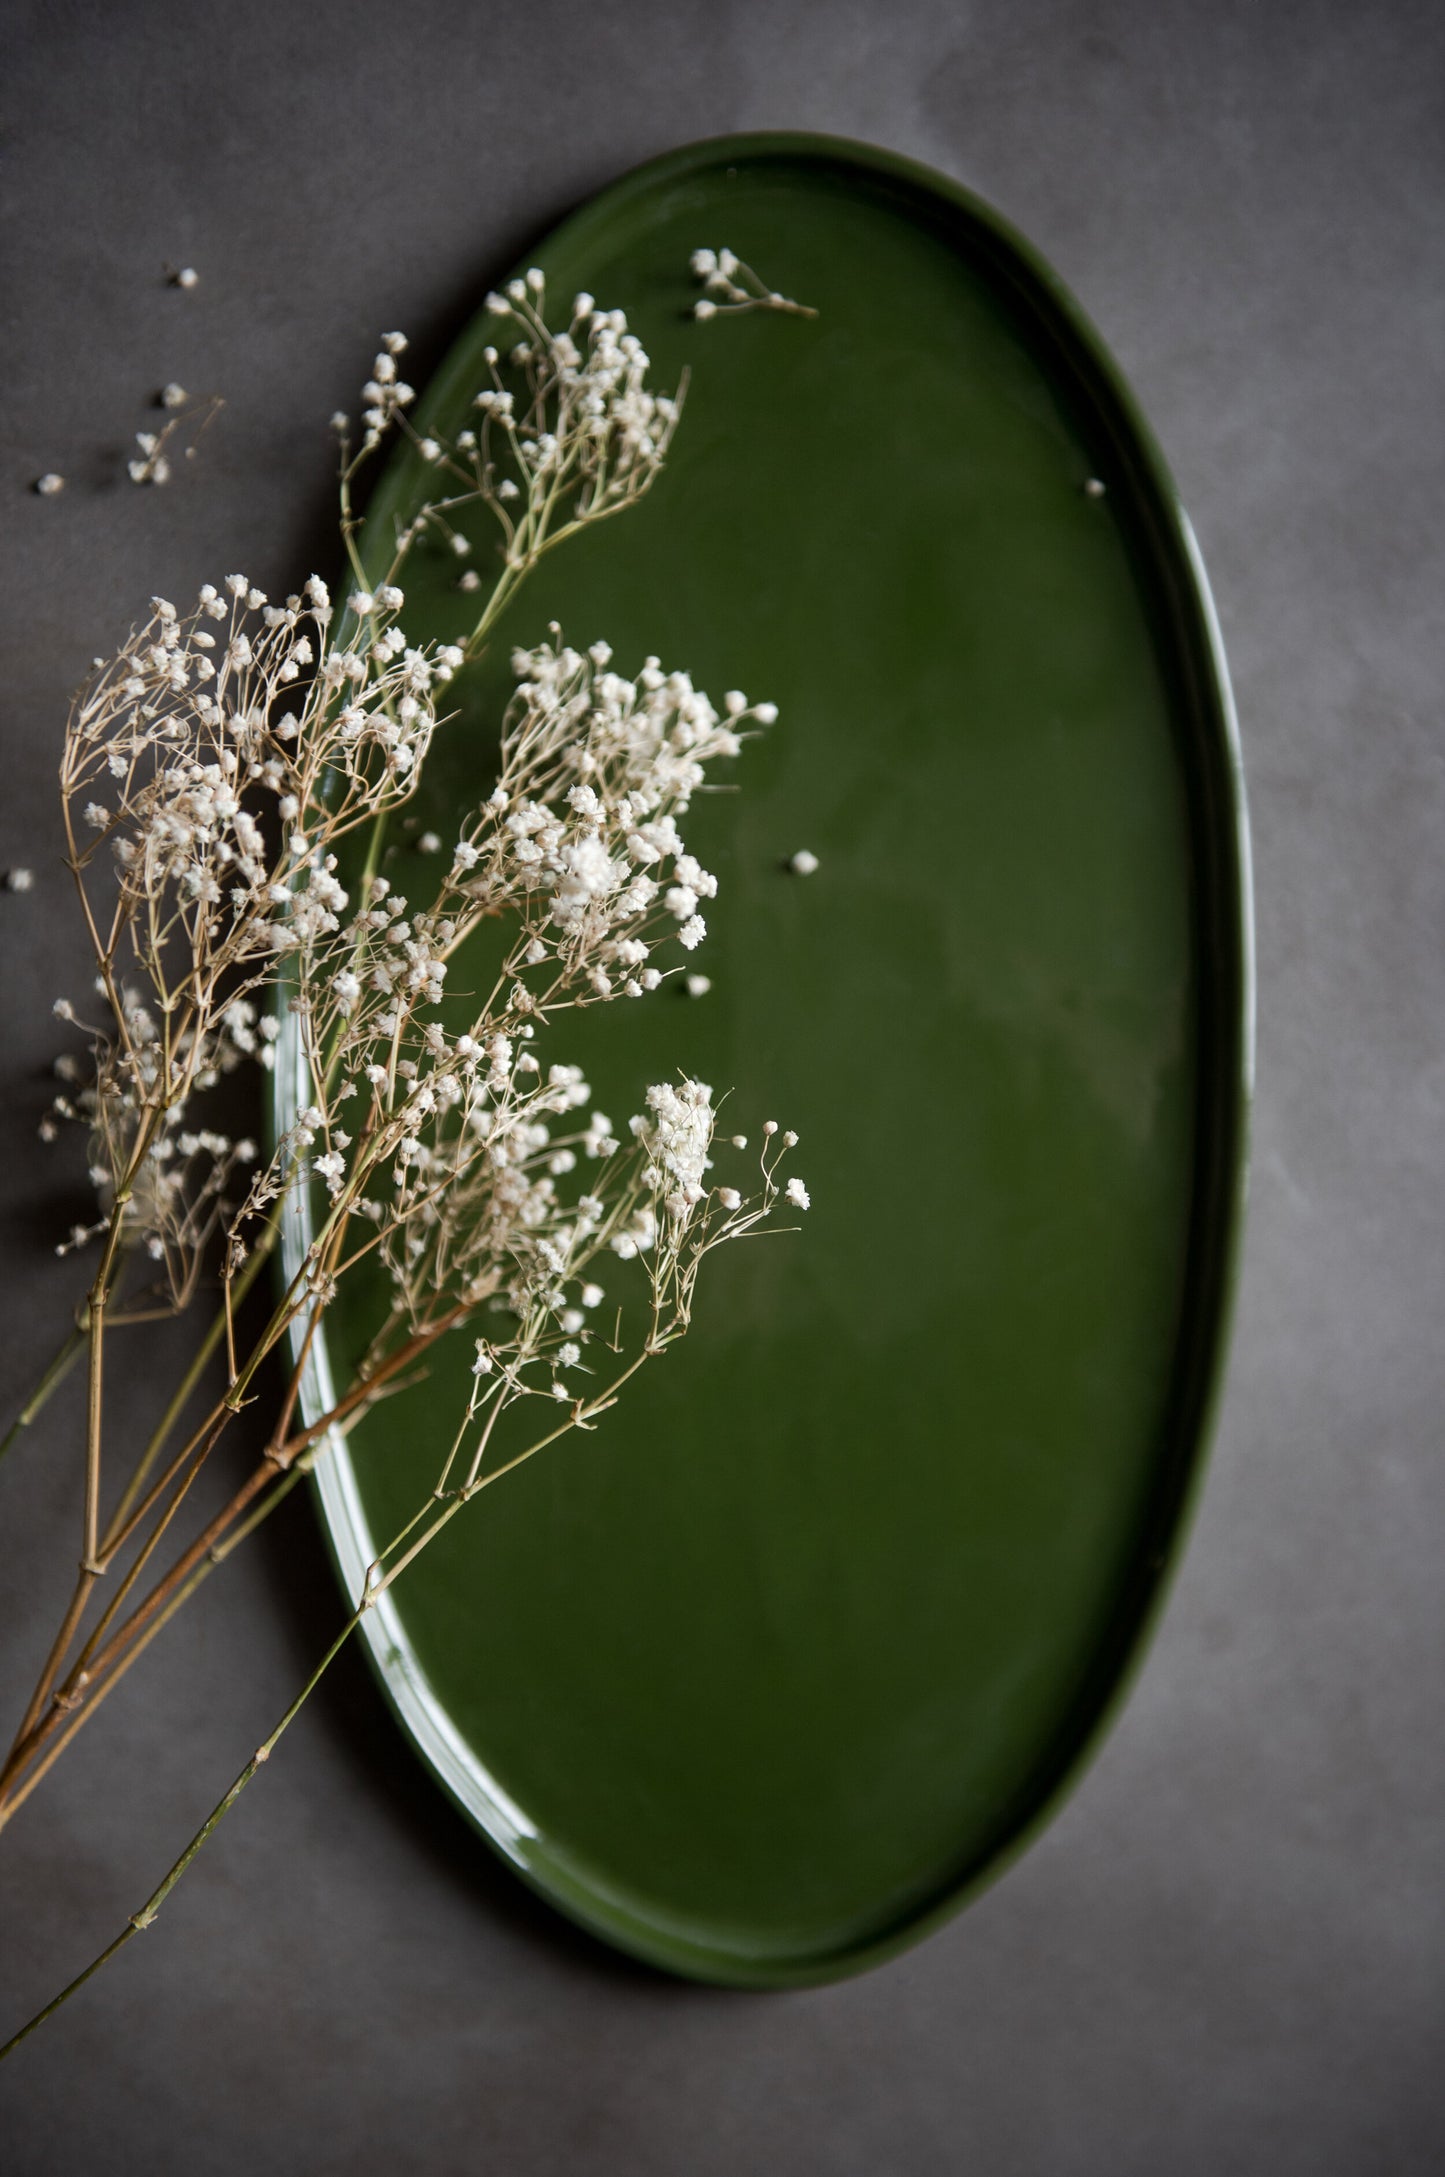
[
  {"x": 487, "y": 1208},
  {"x": 580, "y": 421},
  {"x": 224, "y": 808},
  {"x": 731, "y": 286},
  {"x": 214, "y": 763},
  {"x": 677, "y": 1137},
  {"x": 175, "y": 1178},
  {"x": 385, "y": 394},
  {"x": 567, "y": 432},
  {"x": 452, "y": 1154},
  {"x": 582, "y": 833},
  {"x": 197, "y": 728}
]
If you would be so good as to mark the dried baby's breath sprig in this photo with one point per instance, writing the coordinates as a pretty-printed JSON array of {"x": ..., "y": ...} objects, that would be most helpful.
[
  {"x": 152, "y": 465},
  {"x": 214, "y": 770},
  {"x": 732, "y": 286},
  {"x": 195, "y": 735},
  {"x": 568, "y": 432},
  {"x": 203, "y": 800},
  {"x": 440, "y": 1140}
]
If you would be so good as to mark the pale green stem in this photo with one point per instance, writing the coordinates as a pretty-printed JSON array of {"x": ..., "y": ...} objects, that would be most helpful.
[
  {"x": 50, "y": 1382},
  {"x": 158, "y": 1896}
]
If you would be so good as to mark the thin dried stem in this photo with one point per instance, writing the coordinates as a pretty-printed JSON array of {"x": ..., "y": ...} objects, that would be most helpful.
[
  {"x": 236, "y": 1291},
  {"x": 378, "y": 1582}
]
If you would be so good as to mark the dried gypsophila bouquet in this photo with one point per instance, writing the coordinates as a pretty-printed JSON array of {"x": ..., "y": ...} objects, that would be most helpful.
[{"x": 212, "y": 771}]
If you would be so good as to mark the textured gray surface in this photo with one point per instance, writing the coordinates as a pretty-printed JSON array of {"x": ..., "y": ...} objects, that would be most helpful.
[{"x": 1228, "y": 1952}]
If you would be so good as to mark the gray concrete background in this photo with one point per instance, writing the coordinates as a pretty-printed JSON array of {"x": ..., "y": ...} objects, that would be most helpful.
[{"x": 1227, "y": 1953}]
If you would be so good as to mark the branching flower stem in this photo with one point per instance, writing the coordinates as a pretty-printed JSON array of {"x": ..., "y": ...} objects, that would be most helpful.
[
  {"x": 381, "y": 1577},
  {"x": 235, "y": 1291},
  {"x": 228, "y": 779},
  {"x": 81, "y": 1692},
  {"x": 212, "y": 1559}
]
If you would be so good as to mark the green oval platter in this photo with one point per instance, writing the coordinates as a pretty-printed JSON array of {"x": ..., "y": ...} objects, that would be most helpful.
[{"x": 793, "y": 1655}]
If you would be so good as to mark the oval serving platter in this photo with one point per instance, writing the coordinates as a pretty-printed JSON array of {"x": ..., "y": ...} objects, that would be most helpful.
[{"x": 789, "y": 1658}]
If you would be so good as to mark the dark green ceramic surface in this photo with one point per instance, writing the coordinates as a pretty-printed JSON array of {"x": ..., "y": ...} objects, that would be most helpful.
[{"x": 792, "y": 1654}]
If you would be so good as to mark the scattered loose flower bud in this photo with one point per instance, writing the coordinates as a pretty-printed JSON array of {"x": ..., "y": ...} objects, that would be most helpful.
[{"x": 736, "y": 286}]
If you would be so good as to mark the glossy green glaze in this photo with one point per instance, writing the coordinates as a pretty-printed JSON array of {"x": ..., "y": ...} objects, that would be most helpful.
[{"x": 786, "y": 1660}]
